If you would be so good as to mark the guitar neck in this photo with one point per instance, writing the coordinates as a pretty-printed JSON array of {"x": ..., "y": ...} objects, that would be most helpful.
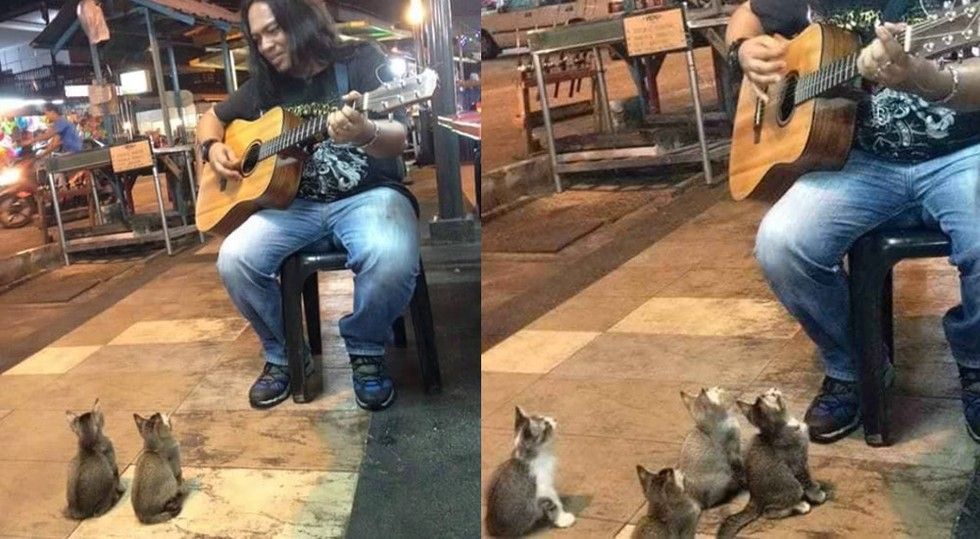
[
  {"x": 297, "y": 136},
  {"x": 838, "y": 72},
  {"x": 307, "y": 131}
]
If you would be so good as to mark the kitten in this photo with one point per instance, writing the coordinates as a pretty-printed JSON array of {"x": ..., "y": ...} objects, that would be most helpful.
[
  {"x": 93, "y": 476},
  {"x": 711, "y": 456},
  {"x": 776, "y": 467},
  {"x": 522, "y": 490},
  {"x": 671, "y": 511},
  {"x": 158, "y": 485}
]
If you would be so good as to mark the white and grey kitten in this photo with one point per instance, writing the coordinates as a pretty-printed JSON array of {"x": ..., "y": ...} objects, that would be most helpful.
[
  {"x": 522, "y": 492},
  {"x": 711, "y": 455},
  {"x": 776, "y": 465}
]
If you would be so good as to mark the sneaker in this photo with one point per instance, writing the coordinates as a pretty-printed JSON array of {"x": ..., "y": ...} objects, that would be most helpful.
[
  {"x": 970, "y": 382},
  {"x": 271, "y": 387},
  {"x": 373, "y": 388},
  {"x": 835, "y": 412}
]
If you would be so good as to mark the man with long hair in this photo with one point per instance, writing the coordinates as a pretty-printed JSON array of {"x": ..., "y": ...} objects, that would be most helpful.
[{"x": 350, "y": 195}]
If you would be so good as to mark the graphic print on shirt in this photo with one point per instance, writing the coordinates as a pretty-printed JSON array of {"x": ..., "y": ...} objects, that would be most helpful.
[
  {"x": 891, "y": 122},
  {"x": 332, "y": 170},
  {"x": 336, "y": 168}
]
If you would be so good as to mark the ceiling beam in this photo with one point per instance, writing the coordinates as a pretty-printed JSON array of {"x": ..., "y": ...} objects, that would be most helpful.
[{"x": 12, "y": 10}]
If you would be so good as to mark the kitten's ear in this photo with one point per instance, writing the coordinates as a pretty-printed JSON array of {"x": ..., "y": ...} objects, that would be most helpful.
[
  {"x": 519, "y": 417},
  {"x": 96, "y": 406},
  {"x": 688, "y": 401},
  {"x": 140, "y": 421},
  {"x": 72, "y": 419},
  {"x": 644, "y": 475}
]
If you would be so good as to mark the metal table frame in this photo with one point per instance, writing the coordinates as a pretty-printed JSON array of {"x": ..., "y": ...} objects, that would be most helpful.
[
  {"x": 606, "y": 117},
  {"x": 124, "y": 238}
]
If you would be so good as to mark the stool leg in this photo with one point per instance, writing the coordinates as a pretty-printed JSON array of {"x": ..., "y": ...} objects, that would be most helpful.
[
  {"x": 868, "y": 273},
  {"x": 888, "y": 316},
  {"x": 401, "y": 337},
  {"x": 311, "y": 304},
  {"x": 304, "y": 388},
  {"x": 425, "y": 338}
]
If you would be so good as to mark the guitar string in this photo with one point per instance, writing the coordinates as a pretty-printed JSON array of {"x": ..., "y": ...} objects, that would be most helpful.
[
  {"x": 286, "y": 139},
  {"x": 839, "y": 70},
  {"x": 813, "y": 84}
]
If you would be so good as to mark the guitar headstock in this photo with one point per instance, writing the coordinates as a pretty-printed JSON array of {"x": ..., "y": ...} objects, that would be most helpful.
[
  {"x": 952, "y": 29},
  {"x": 402, "y": 92}
]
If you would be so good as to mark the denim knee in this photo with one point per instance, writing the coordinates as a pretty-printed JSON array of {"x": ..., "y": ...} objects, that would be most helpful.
[
  {"x": 233, "y": 259},
  {"x": 774, "y": 246},
  {"x": 966, "y": 257},
  {"x": 388, "y": 258}
]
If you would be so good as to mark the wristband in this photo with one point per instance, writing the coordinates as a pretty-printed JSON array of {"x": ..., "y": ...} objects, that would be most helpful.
[
  {"x": 206, "y": 147},
  {"x": 734, "y": 64},
  {"x": 377, "y": 133},
  {"x": 956, "y": 85}
]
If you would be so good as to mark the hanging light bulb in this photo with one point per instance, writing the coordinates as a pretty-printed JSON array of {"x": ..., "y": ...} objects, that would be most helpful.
[{"x": 416, "y": 13}]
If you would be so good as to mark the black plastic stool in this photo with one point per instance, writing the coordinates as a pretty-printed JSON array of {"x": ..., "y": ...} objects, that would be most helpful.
[
  {"x": 299, "y": 284},
  {"x": 871, "y": 260}
]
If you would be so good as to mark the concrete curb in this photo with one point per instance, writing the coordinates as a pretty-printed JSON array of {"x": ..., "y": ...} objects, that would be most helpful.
[
  {"x": 30, "y": 262},
  {"x": 504, "y": 186}
]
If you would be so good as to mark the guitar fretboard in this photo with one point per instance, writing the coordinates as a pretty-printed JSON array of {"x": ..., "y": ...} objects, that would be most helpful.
[
  {"x": 309, "y": 129},
  {"x": 836, "y": 73}
]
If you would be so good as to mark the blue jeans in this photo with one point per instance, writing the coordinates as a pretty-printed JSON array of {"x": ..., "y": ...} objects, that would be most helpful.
[
  {"x": 378, "y": 229},
  {"x": 804, "y": 237}
]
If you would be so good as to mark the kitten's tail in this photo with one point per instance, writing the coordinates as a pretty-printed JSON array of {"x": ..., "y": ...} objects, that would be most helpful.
[{"x": 739, "y": 520}]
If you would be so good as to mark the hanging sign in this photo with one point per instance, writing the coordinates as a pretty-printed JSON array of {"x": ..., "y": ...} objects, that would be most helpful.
[
  {"x": 655, "y": 32},
  {"x": 133, "y": 156}
]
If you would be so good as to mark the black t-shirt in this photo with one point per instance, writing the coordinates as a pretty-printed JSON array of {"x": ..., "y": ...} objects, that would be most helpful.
[
  {"x": 893, "y": 125},
  {"x": 332, "y": 171}
]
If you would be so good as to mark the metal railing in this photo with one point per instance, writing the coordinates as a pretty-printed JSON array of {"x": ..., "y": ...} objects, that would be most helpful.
[{"x": 45, "y": 81}]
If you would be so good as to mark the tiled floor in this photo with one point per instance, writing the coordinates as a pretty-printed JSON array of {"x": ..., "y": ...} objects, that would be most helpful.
[
  {"x": 178, "y": 346},
  {"x": 694, "y": 311}
]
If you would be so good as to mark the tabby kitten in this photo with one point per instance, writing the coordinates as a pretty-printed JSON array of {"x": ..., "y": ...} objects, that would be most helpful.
[
  {"x": 671, "y": 511},
  {"x": 711, "y": 455},
  {"x": 158, "y": 486},
  {"x": 93, "y": 476},
  {"x": 776, "y": 466}
]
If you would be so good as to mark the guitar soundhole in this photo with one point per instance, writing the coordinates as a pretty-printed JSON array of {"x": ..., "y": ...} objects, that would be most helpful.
[
  {"x": 787, "y": 99},
  {"x": 251, "y": 158}
]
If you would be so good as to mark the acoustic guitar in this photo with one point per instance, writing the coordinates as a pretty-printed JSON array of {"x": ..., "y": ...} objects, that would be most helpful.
[
  {"x": 270, "y": 165},
  {"x": 808, "y": 123}
]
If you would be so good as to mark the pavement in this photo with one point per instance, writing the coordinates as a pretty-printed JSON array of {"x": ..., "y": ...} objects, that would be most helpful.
[
  {"x": 604, "y": 334},
  {"x": 145, "y": 333}
]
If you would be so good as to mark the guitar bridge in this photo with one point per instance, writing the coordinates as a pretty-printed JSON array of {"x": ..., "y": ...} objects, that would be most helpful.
[{"x": 223, "y": 183}]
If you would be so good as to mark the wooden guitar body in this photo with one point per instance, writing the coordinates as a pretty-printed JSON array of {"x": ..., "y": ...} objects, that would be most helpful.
[
  {"x": 790, "y": 140},
  {"x": 268, "y": 183}
]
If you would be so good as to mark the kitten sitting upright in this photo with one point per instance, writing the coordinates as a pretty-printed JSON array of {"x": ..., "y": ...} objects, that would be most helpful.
[
  {"x": 671, "y": 511},
  {"x": 522, "y": 490},
  {"x": 776, "y": 466},
  {"x": 158, "y": 485},
  {"x": 93, "y": 476},
  {"x": 711, "y": 456}
]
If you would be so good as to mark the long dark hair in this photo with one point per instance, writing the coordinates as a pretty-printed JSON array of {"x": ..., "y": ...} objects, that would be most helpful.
[{"x": 310, "y": 30}]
